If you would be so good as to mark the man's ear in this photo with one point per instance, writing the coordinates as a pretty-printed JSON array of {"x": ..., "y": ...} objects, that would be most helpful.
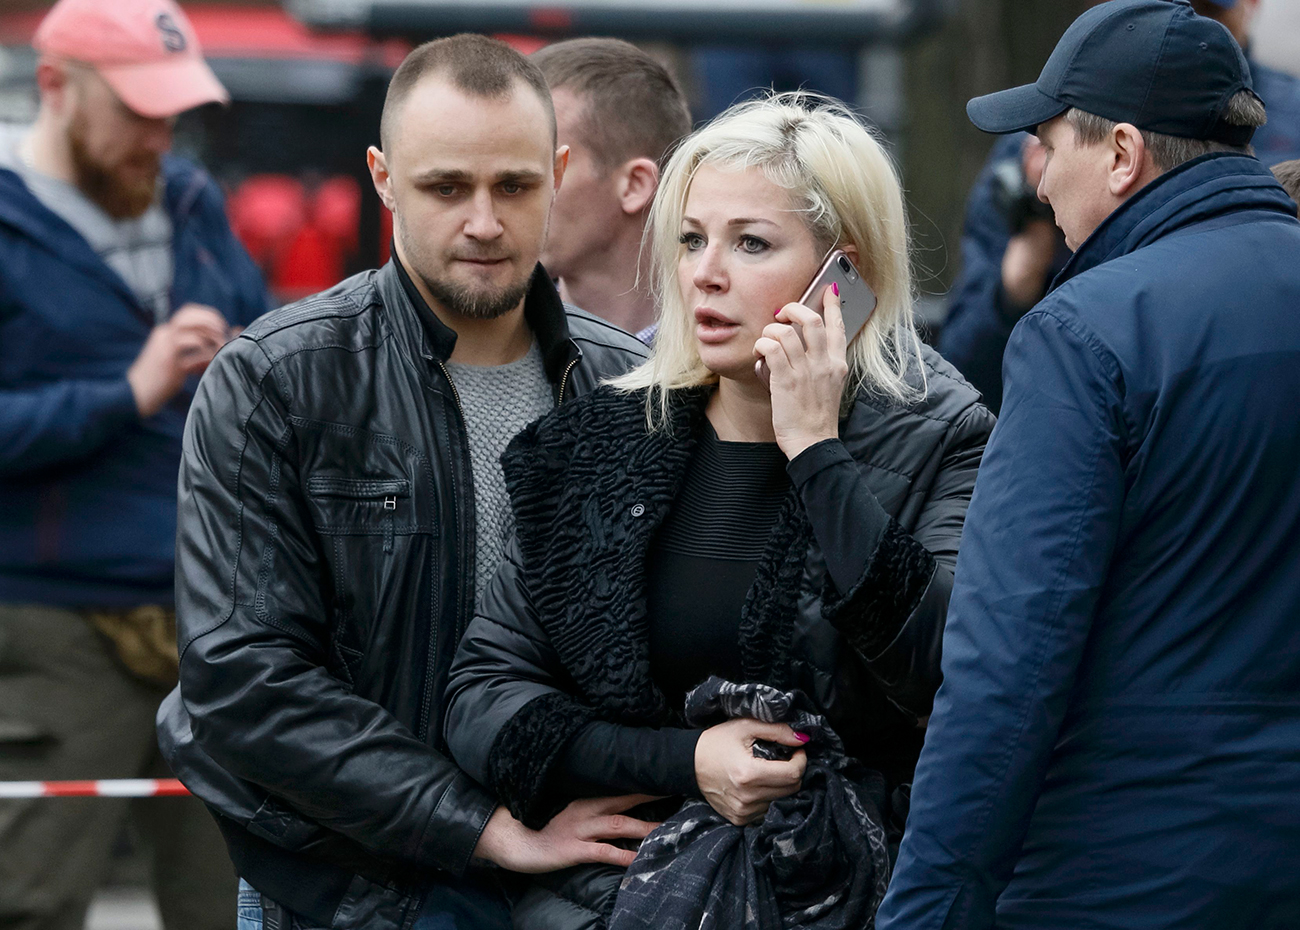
[
  {"x": 637, "y": 181},
  {"x": 379, "y": 176},
  {"x": 561, "y": 165},
  {"x": 1129, "y": 167},
  {"x": 54, "y": 83}
]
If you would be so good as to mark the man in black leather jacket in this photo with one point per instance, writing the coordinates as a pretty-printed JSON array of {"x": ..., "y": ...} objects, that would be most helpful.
[{"x": 336, "y": 507}]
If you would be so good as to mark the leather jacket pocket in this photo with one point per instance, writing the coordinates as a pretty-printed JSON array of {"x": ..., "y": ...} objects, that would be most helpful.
[
  {"x": 361, "y": 506},
  {"x": 373, "y": 529}
]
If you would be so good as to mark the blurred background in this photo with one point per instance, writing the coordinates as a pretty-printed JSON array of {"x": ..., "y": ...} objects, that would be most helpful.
[{"x": 307, "y": 79}]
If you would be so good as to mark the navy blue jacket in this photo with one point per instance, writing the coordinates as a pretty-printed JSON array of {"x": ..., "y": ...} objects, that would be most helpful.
[
  {"x": 979, "y": 323},
  {"x": 1116, "y": 743},
  {"x": 88, "y": 488}
]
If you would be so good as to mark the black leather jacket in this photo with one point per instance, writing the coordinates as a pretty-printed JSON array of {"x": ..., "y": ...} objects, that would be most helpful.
[
  {"x": 325, "y": 566},
  {"x": 560, "y": 638}
]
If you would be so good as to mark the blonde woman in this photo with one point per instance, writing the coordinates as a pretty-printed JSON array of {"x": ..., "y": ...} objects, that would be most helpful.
[{"x": 691, "y": 520}]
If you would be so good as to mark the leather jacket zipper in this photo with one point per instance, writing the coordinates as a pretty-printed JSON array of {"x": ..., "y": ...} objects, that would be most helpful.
[
  {"x": 564, "y": 380},
  {"x": 454, "y": 393}
]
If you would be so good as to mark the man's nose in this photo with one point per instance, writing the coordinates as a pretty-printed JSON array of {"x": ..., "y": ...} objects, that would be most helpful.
[
  {"x": 483, "y": 222},
  {"x": 1042, "y": 194},
  {"x": 710, "y": 273}
]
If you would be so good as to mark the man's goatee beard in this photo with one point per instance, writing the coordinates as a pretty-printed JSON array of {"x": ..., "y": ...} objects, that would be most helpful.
[{"x": 477, "y": 304}]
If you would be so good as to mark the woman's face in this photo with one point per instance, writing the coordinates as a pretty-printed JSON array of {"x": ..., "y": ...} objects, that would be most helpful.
[{"x": 745, "y": 253}]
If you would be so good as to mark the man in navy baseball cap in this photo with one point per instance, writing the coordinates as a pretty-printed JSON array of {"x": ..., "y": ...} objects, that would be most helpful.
[
  {"x": 1116, "y": 742},
  {"x": 1177, "y": 80}
]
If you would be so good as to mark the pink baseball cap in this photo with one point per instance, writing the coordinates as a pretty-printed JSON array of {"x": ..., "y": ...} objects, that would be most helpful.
[{"x": 145, "y": 49}]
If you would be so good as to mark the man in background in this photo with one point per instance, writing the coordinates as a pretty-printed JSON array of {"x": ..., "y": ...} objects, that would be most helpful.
[
  {"x": 1288, "y": 175},
  {"x": 1010, "y": 253},
  {"x": 1279, "y": 139},
  {"x": 119, "y": 281},
  {"x": 619, "y": 111}
]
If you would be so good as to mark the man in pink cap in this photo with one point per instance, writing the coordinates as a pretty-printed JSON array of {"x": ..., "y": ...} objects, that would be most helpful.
[{"x": 119, "y": 281}]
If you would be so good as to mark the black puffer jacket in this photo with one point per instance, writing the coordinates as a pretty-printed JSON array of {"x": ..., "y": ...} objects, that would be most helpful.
[
  {"x": 325, "y": 559},
  {"x": 561, "y": 635}
]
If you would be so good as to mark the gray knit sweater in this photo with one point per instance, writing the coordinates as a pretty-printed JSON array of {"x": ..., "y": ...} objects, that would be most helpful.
[{"x": 498, "y": 401}]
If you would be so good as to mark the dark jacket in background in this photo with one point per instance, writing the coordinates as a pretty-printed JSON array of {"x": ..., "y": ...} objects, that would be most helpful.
[
  {"x": 561, "y": 640},
  {"x": 87, "y": 487},
  {"x": 1116, "y": 743},
  {"x": 1277, "y": 140},
  {"x": 979, "y": 322},
  {"x": 325, "y": 575}
]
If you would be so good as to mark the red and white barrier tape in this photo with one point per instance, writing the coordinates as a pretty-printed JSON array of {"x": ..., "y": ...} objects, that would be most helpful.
[{"x": 103, "y": 788}]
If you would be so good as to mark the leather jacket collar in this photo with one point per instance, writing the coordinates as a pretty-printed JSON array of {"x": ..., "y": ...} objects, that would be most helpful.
[{"x": 543, "y": 311}]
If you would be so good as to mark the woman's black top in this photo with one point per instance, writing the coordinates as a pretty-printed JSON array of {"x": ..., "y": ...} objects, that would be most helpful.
[
  {"x": 704, "y": 558},
  {"x": 702, "y": 563}
]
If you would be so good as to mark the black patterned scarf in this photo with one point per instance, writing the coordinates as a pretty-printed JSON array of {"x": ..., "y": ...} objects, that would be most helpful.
[{"x": 818, "y": 859}]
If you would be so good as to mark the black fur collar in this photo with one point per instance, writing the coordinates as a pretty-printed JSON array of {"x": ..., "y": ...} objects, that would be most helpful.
[{"x": 590, "y": 485}]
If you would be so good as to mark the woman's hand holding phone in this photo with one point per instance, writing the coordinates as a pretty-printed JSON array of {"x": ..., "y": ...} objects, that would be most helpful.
[
  {"x": 806, "y": 357},
  {"x": 736, "y": 783}
]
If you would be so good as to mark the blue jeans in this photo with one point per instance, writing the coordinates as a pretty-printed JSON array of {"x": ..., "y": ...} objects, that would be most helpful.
[
  {"x": 447, "y": 907},
  {"x": 249, "y": 907}
]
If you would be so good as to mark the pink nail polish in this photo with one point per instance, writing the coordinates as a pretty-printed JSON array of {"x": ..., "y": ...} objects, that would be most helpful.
[
  {"x": 802, "y": 737},
  {"x": 778, "y": 312},
  {"x": 835, "y": 288}
]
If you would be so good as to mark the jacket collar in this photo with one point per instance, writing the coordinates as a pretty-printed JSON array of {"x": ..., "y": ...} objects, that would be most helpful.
[
  {"x": 431, "y": 338},
  {"x": 1210, "y": 187}
]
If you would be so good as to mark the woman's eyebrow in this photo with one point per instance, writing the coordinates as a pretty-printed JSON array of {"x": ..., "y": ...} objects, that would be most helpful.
[{"x": 738, "y": 221}]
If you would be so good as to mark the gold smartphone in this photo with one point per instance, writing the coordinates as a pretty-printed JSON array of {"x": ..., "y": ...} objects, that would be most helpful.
[{"x": 857, "y": 299}]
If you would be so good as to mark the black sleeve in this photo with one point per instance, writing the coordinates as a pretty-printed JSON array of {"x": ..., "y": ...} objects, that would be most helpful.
[
  {"x": 846, "y": 518},
  {"x": 888, "y": 589},
  {"x": 606, "y": 758}
]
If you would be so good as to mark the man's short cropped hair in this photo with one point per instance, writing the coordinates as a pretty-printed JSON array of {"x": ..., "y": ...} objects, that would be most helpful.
[
  {"x": 634, "y": 108},
  {"x": 477, "y": 65},
  {"x": 1288, "y": 175},
  {"x": 1168, "y": 152}
]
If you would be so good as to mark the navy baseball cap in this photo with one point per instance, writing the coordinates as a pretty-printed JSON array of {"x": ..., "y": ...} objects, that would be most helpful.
[{"x": 1152, "y": 63}]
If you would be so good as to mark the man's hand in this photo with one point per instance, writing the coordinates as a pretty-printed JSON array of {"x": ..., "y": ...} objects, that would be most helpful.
[
  {"x": 575, "y": 835},
  {"x": 735, "y": 783},
  {"x": 181, "y": 347},
  {"x": 1026, "y": 264},
  {"x": 1028, "y": 258}
]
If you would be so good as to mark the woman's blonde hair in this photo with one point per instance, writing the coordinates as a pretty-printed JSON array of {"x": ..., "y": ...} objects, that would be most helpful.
[{"x": 845, "y": 186}]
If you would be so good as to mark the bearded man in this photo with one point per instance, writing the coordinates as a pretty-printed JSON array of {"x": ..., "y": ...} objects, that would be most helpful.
[
  {"x": 341, "y": 506},
  {"x": 119, "y": 280}
]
